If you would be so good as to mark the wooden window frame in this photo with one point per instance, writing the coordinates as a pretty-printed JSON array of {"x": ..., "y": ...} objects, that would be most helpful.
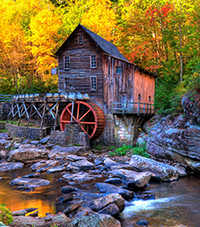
[
  {"x": 67, "y": 81},
  {"x": 117, "y": 68},
  {"x": 149, "y": 98},
  {"x": 80, "y": 39},
  {"x": 93, "y": 61},
  {"x": 93, "y": 83},
  {"x": 67, "y": 63}
]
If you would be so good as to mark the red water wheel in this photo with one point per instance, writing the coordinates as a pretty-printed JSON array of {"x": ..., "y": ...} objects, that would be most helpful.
[{"x": 88, "y": 115}]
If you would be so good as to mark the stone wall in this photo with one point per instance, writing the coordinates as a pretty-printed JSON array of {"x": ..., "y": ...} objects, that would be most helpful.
[
  {"x": 30, "y": 133},
  {"x": 2, "y": 125},
  {"x": 73, "y": 135},
  {"x": 4, "y": 110}
]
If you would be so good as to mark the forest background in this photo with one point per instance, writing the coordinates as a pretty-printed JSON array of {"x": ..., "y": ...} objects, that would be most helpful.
[{"x": 162, "y": 36}]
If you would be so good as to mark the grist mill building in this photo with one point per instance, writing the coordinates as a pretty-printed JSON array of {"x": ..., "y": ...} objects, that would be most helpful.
[{"x": 124, "y": 91}]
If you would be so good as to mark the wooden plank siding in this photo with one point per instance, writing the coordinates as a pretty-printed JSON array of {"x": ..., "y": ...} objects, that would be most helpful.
[
  {"x": 80, "y": 72},
  {"x": 127, "y": 85}
]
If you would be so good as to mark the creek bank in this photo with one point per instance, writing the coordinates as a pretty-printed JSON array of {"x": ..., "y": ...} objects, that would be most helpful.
[
  {"x": 77, "y": 171},
  {"x": 176, "y": 137}
]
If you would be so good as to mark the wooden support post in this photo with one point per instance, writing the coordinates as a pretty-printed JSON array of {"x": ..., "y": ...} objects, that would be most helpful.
[
  {"x": 112, "y": 108},
  {"x": 72, "y": 111},
  {"x": 144, "y": 110},
  {"x": 56, "y": 115},
  {"x": 43, "y": 114},
  {"x": 138, "y": 108}
]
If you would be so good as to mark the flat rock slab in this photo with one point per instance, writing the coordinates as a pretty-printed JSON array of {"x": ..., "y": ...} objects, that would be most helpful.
[
  {"x": 44, "y": 140},
  {"x": 4, "y": 142},
  {"x": 74, "y": 158},
  {"x": 22, "y": 221},
  {"x": 27, "y": 154},
  {"x": 5, "y": 135},
  {"x": 159, "y": 170},
  {"x": 44, "y": 165},
  {"x": 58, "y": 152},
  {"x": 68, "y": 189},
  {"x": 29, "y": 182},
  {"x": 60, "y": 218},
  {"x": 101, "y": 203},
  {"x": 79, "y": 177},
  {"x": 109, "y": 188},
  {"x": 56, "y": 169},
  {"x": 111, "y": 209},
  {"x": 83, "y": 164},
  {"x": 109, "y": 162},
  {"x": 132, "y": 178},
  {"x": 10, "y": 166},
  {"x": 97, "y": 220},
  {"x": 71, "y": 207}
]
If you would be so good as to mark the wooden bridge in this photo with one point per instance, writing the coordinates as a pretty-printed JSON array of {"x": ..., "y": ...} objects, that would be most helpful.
[{"x": 132, "y": 108}]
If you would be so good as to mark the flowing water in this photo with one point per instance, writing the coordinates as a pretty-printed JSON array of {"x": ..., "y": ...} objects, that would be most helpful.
[{"x": 176, "y": 203}]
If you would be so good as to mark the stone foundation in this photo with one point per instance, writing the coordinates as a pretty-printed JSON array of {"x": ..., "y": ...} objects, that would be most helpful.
[
  {"x": 29, "y": 133},
  {"x": 73, "y": 135},
  {"x": 120, "y": 130}
]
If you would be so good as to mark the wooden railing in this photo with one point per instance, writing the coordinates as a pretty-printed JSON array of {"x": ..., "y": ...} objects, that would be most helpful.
[
  {"x": 5, "y": 98},
  {"x": 132, "y": 108}
]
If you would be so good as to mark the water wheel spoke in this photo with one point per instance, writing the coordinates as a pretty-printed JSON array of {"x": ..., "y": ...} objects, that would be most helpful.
[
  {"x": 87, "y": 123},
  {"x": 83, "y": 129},
  {"x": 70, "y": 113},
  {"x": 92, "y": 127},
  {"x": 65, "y": 121},
  {"x": 78, "y": 110},
  {"x": 85, "y": 114}
]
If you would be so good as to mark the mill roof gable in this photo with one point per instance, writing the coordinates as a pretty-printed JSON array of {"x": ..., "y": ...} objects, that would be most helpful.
[{"x": 106, "y": 46}]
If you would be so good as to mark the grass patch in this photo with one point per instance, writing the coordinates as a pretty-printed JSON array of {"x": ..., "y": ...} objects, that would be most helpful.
[
  {"x": 3, "y": 131},
  {"x": 130, "y": 150}
]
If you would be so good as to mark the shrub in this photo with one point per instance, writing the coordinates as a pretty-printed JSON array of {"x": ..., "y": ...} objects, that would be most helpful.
[
  {"x": 140, "y": 150},
  {"x": 5, "y": 215},
  {"x": 121, "y": 151}
]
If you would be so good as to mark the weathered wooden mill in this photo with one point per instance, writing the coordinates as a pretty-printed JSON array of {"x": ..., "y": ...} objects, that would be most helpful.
[{"x": 98, "y": 88}]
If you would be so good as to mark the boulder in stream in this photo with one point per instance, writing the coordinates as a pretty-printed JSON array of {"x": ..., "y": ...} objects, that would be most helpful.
[
  {"x": 109, "y": 188},
  {"x": 132, "y": 178},
  {"x": 114, "y": 198},
  {"x": 29, "y": 183},
  {"x": 159, "y": 170},
  {"x": 58, "y": 152},
  {"x": 7, "y": 166},
  {"x": 44, "y": 165},
  {"x": 97, "y": 220},
  {"x": 28, "y": 153},
  {"x": 22, "y": 221}
]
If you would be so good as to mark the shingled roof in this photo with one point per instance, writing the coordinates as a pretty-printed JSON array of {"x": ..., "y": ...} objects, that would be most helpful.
[{"x": 106, "y": 46}]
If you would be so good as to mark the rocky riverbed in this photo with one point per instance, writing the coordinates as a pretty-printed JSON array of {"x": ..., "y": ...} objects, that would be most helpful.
[{"x": 116, "y": 181}]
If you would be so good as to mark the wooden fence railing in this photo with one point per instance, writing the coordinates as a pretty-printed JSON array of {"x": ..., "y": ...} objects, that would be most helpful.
[
  {"x": 132, "y": 108},
  {"x": 5, "y": 98}
]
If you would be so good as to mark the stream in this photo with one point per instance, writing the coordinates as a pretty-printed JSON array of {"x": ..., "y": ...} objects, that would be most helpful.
[{"x": 175, "y": 204}]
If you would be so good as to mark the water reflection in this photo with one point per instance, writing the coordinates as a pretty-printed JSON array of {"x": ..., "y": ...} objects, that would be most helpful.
[{"x": 43, "y": 198}]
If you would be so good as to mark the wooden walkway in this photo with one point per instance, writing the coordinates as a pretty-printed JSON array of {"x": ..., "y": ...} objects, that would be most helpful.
[{"x": 132, "y": 108}]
